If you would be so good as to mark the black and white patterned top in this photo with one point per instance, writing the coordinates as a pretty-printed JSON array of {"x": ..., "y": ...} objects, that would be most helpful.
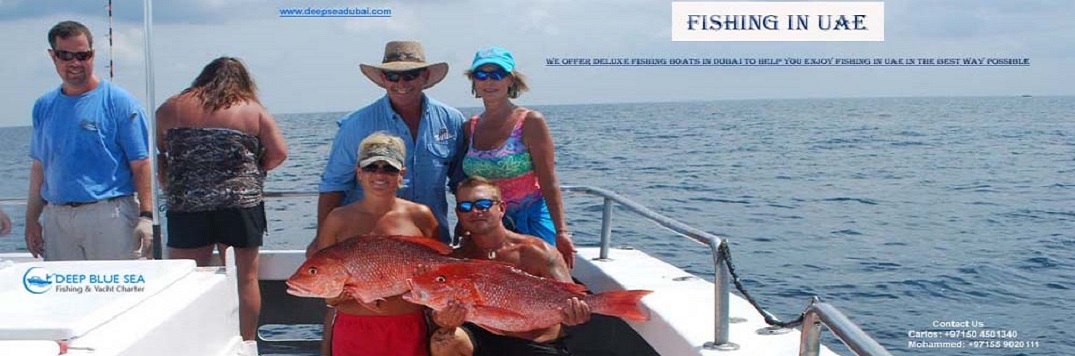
[{"x": 212, "y": 169}]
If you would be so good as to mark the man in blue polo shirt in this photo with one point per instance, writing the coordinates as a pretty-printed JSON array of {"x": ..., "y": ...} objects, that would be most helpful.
[
  {"x": 432, "y": 131},
  {"x": 89, "y": 153}
]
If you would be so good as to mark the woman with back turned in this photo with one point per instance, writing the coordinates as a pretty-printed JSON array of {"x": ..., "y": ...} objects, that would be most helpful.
[
  {"x": 217, "y": 142},
  {"x": 511, "y": 145}
]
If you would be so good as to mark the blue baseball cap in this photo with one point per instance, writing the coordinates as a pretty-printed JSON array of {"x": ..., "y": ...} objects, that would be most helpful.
[{"x": 494, "y": 55}]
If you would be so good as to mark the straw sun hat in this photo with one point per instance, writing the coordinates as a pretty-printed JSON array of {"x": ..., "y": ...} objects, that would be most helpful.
[{"x": 402, "y": 56}]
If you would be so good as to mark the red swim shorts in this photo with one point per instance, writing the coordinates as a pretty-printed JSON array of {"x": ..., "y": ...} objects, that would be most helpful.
[{"x": 380, "y": 335}]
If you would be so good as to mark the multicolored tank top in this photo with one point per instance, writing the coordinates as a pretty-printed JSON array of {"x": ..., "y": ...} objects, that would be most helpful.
[
  {"x": 509, "y": 166},
  {"x": 212, "y": 169}
]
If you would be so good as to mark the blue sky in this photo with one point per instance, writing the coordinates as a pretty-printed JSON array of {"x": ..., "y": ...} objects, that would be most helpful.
[{"x": 311, "y": 64}]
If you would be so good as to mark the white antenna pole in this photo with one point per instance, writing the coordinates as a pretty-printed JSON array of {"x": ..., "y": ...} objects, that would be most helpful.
[{"x": 152, "y": 118}]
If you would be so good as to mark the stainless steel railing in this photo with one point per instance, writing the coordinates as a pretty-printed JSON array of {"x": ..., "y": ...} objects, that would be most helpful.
[
  {"x": 818, "y": 313},
  {"x": 720, "y": 270}
]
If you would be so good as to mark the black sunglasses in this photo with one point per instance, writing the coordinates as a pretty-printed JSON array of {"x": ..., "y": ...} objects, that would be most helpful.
[
  {"x": 406, "y": 76},
  {"x": 481, "y": 204},
  {"x": 498, "y": 74},
  {"x": 67, "y": 56},
  {"x": 382, "y": 168}
]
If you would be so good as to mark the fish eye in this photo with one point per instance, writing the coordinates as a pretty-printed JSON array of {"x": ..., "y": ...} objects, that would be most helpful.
[
  {"x": 312, "y": 270},
  {"x": 440, "y": 279}
]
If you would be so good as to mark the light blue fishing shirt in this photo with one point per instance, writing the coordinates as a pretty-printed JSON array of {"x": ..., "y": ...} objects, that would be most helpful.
[
  {"x": 85, "y": 143},
  {"x": 433, "y": 159}
]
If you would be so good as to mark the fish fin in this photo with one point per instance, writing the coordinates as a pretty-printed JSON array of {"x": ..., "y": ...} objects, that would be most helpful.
[
  {"x": 472, "y": 294},
  {"x": 354, "y": 292},
  {"x": 425, "y": 241},
  {"x": 357, "y": 293},
  {"x": 622, "y": 304}
]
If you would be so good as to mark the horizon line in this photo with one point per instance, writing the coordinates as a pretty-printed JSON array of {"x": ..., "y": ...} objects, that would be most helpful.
[{"x": 704, "y": 101}]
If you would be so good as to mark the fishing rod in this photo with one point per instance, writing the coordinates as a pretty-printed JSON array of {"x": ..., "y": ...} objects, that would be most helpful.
[{"x": 111, "y": 66}]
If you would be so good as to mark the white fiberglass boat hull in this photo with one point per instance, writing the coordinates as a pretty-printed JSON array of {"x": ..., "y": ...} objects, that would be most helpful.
[{"x": 180, "y": 309}]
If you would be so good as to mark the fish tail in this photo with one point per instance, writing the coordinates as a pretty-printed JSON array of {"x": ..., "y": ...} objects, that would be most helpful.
[{"x": 623, "y": 304}]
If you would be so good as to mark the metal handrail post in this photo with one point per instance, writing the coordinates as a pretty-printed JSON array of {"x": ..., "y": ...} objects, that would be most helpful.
[
  {"x": 720, "y": 294},
  {"x": 721, "y": 317},
  {"x": 606, "y": 228},
  {"x": 810, "y": 339}
]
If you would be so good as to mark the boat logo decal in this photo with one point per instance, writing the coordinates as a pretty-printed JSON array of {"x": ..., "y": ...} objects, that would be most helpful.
[{"x": 37, "y": 280}]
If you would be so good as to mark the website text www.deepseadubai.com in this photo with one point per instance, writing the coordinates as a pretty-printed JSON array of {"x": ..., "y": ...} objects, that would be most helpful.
[{"x": 335, "y": 12}]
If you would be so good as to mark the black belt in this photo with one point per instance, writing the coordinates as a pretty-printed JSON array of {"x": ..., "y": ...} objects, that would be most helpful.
[{"x": 78, "y": 204}]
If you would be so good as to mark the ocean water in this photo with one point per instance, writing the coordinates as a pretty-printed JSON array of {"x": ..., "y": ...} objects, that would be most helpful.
[{"x": 903, "y": 212}]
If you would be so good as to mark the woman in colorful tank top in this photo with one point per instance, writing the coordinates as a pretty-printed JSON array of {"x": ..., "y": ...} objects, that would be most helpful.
[
  {"x": 511, "y": 146},
  {"x": 216, "y": 143}
]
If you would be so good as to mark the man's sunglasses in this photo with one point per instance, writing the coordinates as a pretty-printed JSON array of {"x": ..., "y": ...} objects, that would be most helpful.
[
  {"x": 481, "y": 204},
  {"x": 67, "y": 56},
  {"x": 498, "y": 74},
  {"x": 406, "y": 76},
  {"x": 384, "y": 168}
]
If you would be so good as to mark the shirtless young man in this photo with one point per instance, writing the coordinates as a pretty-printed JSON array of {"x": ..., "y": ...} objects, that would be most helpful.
[
  {"x": 393, "y": 326},
  {"x": 480, "y": 212}
]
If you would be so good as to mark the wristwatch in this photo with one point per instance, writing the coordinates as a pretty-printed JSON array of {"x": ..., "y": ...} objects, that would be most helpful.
[{"x": 146, "y": 214}]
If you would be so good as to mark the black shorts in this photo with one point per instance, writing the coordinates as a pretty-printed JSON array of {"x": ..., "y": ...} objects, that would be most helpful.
[
  {"x": 486, "y": 343},
  {"x": 236, "y": 227}
]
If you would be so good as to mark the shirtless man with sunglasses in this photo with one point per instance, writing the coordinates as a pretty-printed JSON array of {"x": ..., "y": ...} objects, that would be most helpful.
[{"x": 480, "y": 211}]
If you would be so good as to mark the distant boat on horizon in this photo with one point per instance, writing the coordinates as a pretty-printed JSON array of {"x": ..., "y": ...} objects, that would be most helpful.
[{"x": 1026, "y": 95}]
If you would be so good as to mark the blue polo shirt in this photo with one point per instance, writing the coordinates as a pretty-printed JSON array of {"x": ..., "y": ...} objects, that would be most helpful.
[
  {"x": 434, "y": 160},
  {"x": 85, "y": 143}
]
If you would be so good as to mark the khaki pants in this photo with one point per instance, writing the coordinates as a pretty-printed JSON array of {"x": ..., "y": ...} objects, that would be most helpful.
[{"x": 100, "y": 231}]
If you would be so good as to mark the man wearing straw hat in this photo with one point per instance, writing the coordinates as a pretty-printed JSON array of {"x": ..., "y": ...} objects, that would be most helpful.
[{"x": 431, "y": 130}]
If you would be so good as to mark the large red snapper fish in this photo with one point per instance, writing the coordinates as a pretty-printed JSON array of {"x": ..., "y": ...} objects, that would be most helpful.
[
  {"x": 501, "y": 297},
  {"x": 369, "y": 268}
]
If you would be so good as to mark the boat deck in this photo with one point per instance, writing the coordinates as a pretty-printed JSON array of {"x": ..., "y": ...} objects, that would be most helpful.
[{"x": 681, "y": 311}]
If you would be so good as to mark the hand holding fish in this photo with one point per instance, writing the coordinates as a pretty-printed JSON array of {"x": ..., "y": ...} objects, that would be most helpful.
[
  {"x": 576, "y": 312},
  {"x": 451, "y": 316}
]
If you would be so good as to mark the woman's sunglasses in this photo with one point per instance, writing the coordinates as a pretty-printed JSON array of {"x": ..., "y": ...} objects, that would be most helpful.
[
  {"x": 498, "y": 74},
  {"x": 481, "y": 204},
  {"x": 406, "y": 76},
  {"x": 67, "y": 56},
  {"x": 383, "y": 168}
]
